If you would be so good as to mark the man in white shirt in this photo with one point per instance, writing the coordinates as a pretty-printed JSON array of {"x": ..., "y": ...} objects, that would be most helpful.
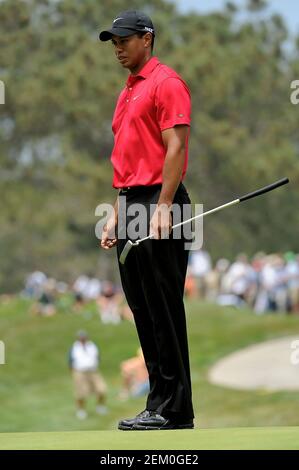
[
  {"x": 201, "y": 266},
  {"x": 83, "y": 362}
]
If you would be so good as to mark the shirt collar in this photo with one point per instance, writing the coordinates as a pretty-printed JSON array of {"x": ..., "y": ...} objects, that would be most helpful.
[{"x": 146, "y": 70}]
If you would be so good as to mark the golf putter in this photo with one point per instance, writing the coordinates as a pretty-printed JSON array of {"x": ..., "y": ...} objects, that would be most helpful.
[{"x": 129, "y": 245}]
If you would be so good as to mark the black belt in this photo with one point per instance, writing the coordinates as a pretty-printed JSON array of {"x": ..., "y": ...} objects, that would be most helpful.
[
  {"x": 143, "y": 189},
  {"x": 140, "y": 189}
]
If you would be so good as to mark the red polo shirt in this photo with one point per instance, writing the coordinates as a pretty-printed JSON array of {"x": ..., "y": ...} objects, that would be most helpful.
[{"x": 153, "y": 100}]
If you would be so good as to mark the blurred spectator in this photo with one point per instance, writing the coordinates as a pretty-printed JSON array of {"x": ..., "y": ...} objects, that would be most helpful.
[
  {"x": 34, "y": 283},
  {"x": 214, "y": 278},
  {"x": 237, "y": 281},
  {"x": 126, "y": 312},
  {"x": 109, "y": 303},
  {"x": 270, "y": 284},
  {"x": 45, "y": 305},
  {"x": 84, "y": 362},
  {"x": 134, "y": 376},
  {"x": 222, "y": 266},
  {"x": 190, "y": 284},
  {"x": 92, "y": 289},
  {"x": 85, "y": 289},
  {"x": 292, "y": 275},
  {"x": 267, "y": 283},
  {"x": 79, "y": 289},
  {"x": 200, "y": 265}
]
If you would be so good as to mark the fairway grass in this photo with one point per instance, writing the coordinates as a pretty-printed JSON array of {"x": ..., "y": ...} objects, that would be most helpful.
[
  {"x": 270, "y": 438},
  {"x": 36, "y": 388}
]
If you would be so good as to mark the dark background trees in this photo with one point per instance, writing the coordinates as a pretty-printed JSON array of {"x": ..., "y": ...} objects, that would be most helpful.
[{"x": 55, "y": 129}]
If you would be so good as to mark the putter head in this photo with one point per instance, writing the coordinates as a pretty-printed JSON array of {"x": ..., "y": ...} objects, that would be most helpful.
[{"x": 128, "y": 246}]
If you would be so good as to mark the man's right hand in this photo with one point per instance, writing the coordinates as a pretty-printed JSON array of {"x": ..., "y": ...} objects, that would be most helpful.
[{"x": 108, "y": 235}]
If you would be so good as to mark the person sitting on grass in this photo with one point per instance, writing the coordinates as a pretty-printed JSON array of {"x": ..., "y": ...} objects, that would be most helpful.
[{"x": 135, "y": 377}]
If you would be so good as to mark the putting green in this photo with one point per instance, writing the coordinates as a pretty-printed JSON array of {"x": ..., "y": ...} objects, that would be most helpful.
[{"x": 229, "y": 438}]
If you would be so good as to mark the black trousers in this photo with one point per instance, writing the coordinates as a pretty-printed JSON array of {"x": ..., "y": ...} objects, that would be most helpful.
[{"x": 153, "y": 279}]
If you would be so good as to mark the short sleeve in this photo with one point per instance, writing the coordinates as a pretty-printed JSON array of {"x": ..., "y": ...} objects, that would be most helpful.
[{"x": 173, "y": 103}]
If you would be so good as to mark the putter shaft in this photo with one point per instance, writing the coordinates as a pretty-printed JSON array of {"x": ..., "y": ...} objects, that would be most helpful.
[{"x": 129, "y": 245}]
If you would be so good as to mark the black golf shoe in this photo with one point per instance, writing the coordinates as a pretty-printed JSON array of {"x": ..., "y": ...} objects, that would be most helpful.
[
  {"x": 154, "y": 421},
  {"x": 127, "y": 424}
]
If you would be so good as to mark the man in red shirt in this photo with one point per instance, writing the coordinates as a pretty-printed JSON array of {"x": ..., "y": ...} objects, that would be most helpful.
[{"x": 151, "y": 128}]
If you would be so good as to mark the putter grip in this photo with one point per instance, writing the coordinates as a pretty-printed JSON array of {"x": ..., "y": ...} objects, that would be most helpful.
[{"x": 265, "y": 189}]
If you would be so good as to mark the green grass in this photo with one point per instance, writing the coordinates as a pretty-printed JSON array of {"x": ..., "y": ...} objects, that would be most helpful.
[
  {"x": 204, "y": 439},
  {"x": 36, "y": 388}
]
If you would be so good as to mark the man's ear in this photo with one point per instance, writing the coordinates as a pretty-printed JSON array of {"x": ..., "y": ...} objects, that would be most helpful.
[{"x": 147, "y": 40}]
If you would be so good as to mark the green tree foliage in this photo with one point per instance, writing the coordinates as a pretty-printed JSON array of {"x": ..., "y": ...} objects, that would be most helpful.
[{"x": 55, "y": 129}]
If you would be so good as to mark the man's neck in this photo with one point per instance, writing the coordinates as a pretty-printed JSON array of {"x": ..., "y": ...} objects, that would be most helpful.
[{"x": 140, "y": 66}]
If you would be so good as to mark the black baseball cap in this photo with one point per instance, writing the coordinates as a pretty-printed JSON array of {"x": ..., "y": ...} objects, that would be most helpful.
[{"x": 128, "y": 23}]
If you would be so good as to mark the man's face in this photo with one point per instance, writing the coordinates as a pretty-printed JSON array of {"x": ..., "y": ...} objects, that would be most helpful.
[{"x": 131, "y": 50}]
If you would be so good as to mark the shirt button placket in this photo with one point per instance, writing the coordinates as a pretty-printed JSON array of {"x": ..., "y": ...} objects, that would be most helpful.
[{"x": 129, "y": 94}]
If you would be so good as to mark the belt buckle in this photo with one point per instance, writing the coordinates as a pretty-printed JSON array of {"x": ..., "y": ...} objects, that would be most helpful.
[{"x": 125, "y": 190}]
